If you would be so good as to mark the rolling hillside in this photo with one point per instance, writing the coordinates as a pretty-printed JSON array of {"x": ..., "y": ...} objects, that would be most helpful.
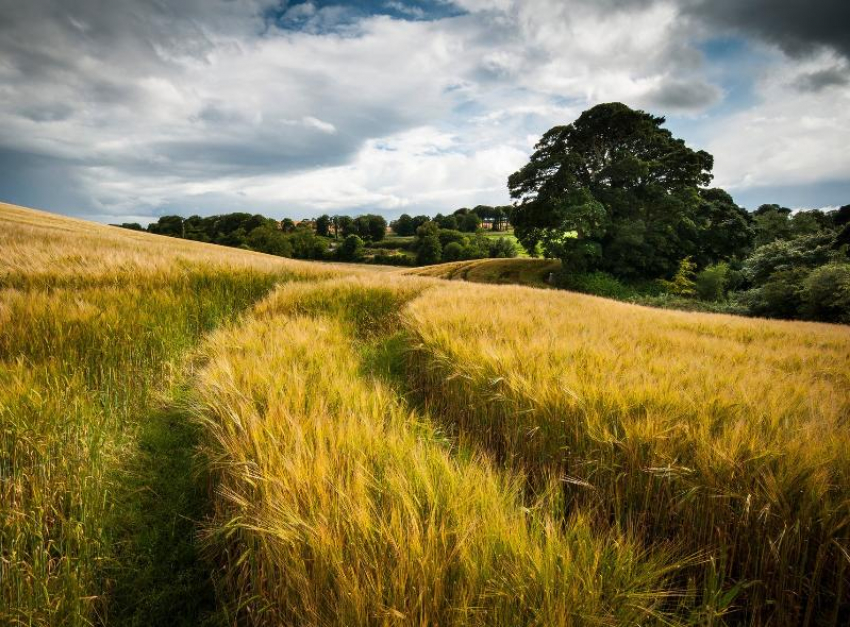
[{"x": 192, "y": 434}]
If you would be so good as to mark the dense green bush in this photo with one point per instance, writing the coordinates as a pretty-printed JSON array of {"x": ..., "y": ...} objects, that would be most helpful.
[
  {"x": 597, "y": 283},
  {"x": 476, "y": 247},
  {"x": 391, "y": 259},
  {"x": 395, "y": 243},
  {"x": 825, "y": 293},
  {"x": 502, "y": 247},
  {"x": 351, "y": 249},
  {"x": 808, "y": 251},
  {"x": 778, "y": 297},
  {"x": 429, "y": 250},
  {"x": 307, "y": 245},
  {"x": 448, "y": 236},
  {"x": 453, "y": 252},
  {"x": 711, "y": 283},
  {"x": 270, "y": 240}
]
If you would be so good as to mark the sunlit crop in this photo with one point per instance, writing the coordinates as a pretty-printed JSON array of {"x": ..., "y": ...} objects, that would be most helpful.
[{"x": 371, "y": 448}]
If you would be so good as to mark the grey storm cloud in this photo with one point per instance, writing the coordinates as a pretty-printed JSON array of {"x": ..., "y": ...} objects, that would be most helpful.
[
  {"x": 820, "y": 80},
  {"x": 797, "y": 26},
  {"x": 678, "y": 95}
]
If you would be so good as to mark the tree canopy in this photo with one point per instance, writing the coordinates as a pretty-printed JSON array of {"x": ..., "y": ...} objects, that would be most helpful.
[{"x": 612, "y": 191}]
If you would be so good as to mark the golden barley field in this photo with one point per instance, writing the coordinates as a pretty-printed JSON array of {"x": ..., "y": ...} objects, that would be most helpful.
[
  {"x": 196, "y": 435},
  {"x": 519, "y": 271}
]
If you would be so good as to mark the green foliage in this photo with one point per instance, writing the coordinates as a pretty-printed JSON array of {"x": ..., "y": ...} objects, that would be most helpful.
[
  {"x": 428, "y": 247},
  {"x": 794, "y": 276},
  {"x": 621, "y": 183},
  {"x": 368, "y": 226},
  {"x": 429, "y": 250},
  {"x": 447, "y": 236},
  {"x": 502, "y": 247},
  {"x": 711, "y": 284},
  {"x": 404, "y": 226},
  {"x": 780, "y": 296},
  {"x": 267, "y": 239},
  {"x": 825, "y": 293},
  {"x": 774, "y": 223},
  {"x": 427, "y": 228},
  {"x": 461, "y": 220},
  {"x": 446, "y": 222},
  {"x": 387, "y": 259},
  {"x": 323, "y": 226},
  {"x": 351, "y": 249},
  {"x": 771, "y": 223},
  {"x": 783, "y": 255},
  {"x": 810, "y": 222},
  {"x": 476, "y": 247},
  {"x": 372, "y": 227},
  {"x": 456, "y": 246},
  {"x": 722, "y": 230},
  {"x": 469, "y": 223},
  {"x": 683, "y": 283},
  {"x": 167, "y": 225},
  {"x": 345, "y": 226},
  {"x": 597, "y": 283},
  {"x": 307, "y": 245},
  {"x": 453, "y": 252},
  {"x": 392, "y": 243}
]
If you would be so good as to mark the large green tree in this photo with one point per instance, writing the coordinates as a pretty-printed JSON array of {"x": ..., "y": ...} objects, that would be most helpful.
[{"x": 612, "y": 191}]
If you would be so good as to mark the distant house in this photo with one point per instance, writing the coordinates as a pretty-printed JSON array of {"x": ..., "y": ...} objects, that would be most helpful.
[{"x": 488, "y": 223}]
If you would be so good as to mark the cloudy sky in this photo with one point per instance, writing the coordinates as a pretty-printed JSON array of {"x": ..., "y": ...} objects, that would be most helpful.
[{"x": 119, "y": 110}]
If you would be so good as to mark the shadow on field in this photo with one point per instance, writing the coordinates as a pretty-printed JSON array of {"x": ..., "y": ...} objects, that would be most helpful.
[{"x": 160, "y": 577}]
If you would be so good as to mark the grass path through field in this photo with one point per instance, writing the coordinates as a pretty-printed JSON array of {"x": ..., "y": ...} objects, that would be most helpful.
[{"x": 160, "y": 577}]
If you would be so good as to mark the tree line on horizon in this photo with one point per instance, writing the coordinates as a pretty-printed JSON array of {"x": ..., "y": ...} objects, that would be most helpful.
[{"x": 421, "y": 239}]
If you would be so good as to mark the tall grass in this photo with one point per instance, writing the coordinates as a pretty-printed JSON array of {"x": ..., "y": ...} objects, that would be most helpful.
[
  {"x": 91, "y": 325},
  {"x": 722, "y": 435},
  {"x": 339, "y": 506}
]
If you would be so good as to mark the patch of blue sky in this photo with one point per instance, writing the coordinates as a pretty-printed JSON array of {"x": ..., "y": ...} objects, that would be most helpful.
[
  {"x": 734, "y": 65},
  {"x": 802, "y": 196},
  {"x": 468, "y": 108},
  {"x": 297, "y": 15}
]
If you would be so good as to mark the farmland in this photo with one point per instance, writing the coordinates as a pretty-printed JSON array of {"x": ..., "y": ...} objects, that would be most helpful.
[
  {"x": 194, "y": 434},
  {"x": 522, "y": 271}
]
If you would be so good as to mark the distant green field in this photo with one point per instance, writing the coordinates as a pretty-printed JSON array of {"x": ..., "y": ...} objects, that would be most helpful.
[
  {"x": 521, "y": 251},
  {"x": 397, "y": 242}
]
